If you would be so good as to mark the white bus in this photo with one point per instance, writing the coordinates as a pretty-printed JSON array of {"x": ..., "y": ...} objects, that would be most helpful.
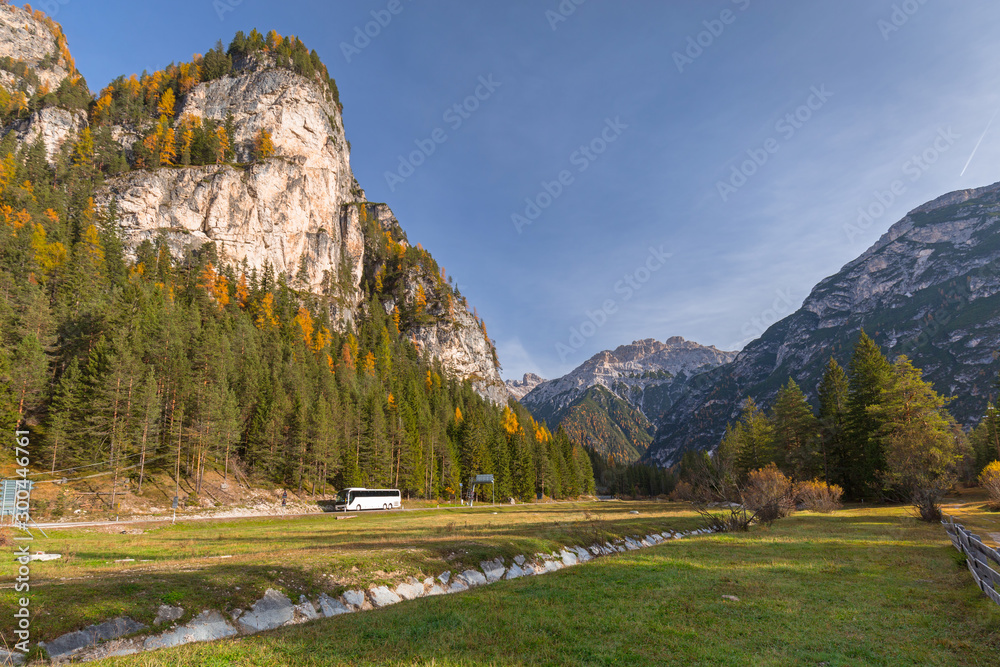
[{"x": 357, "y": 499}]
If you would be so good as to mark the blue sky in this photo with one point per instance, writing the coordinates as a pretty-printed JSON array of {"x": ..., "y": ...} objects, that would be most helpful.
[{"x": 644, "y": 110}]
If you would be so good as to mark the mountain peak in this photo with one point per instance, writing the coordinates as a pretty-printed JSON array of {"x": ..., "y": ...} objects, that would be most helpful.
[{"x": 629, "y": 387}]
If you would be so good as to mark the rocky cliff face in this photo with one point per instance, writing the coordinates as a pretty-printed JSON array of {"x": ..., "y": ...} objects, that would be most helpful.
[
  {"x": 285, "y": 211},
  {"x": 39, "y": 62},
  {"x": 929, "y": 288},
  {"x": 518, "y": 389},
  {"x": 614, "y": 401},
  {"x": 38, "y": 43}
]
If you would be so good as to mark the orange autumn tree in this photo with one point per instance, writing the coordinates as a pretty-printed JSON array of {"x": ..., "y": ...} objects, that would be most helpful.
[{"x": 263, "y": 144}]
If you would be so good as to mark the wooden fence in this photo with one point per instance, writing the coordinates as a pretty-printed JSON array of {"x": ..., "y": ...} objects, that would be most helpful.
[{"x": 983, "y": 561}]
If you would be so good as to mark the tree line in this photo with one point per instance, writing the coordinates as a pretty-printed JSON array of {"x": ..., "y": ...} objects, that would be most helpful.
[{"x": 880, "y": 432}]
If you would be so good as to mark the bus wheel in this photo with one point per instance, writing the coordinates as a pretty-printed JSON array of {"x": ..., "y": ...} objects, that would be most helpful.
[
  {"x": 358, "y": 508},
  {"x": 384, "y": 506}
]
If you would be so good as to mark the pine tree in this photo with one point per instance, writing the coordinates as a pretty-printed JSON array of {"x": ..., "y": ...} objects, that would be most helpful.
[
  {"x": 755, "y": 437},
  {"x": 918, "y": 436},
  {"x": 864, "y": 465},
  {"x": 833, "y": 391},
  {"x": 796, "y": 430}
]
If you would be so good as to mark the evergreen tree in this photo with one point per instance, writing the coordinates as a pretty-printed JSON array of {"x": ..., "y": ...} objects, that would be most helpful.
[
  {"x": 922, "y": 444},
  {"x": 833, "y": 392},
  {"x": 754, "y": 440},
  {"x": 796, "y": 431},
  {"x": 864, "y": 461}
]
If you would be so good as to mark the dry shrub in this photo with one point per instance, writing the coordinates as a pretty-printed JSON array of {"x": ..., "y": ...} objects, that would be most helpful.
[
  {"x": 818, "y": 496},
  {"x": 6, "y": 539},
  {"x": 683, "y": 492},
  {"x": 730, "y": 520},
  {"x": 990, "y": 479},
  {"x": 768, "y": 494}
]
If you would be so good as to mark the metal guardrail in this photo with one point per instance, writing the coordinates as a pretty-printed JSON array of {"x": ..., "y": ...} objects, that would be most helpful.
[{"x": 983, "y": 561}]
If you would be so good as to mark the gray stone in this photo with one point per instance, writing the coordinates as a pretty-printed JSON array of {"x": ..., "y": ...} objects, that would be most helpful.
[
  {"x": 168, "y": 614},
  {"x": 381, "y": 596},
  {"x": 409, "y": 591},
  {"x": 331, "y": 607},
  {"x": 514, "y": 572},
  {"x": 271, "y": 611},
  {"x": 354, "y": 599},
  {"x": 596, "y": 550},
  {"x": 582, "y": 554},
  {"x": 457, "y": 586},
  {"x": 519, "y": 560},
  {"x": 8, "y": 658},
  {"x": 444, "y": 577},
  {"x": 305, "y": 610},
  {"x": 91, "y": 636},
  {"x": 552, "y": 565},
  {"x": 568, "y": 557},
  {"x": 206, "y": 626},
  {"x": 473, "y": 578},
  {"x": 645, "y": 543},
  {"x": 435, "y": 590},
  {"x": 493, "y": 569}
]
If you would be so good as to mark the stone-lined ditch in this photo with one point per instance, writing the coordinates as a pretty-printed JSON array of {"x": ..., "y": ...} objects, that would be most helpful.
[{"x": 275, "y": 609}]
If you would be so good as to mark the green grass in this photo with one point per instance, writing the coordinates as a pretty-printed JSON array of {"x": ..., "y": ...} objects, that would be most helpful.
[
  {"x": 178, "y": 564},
  {"x": 857, "y": 587}
]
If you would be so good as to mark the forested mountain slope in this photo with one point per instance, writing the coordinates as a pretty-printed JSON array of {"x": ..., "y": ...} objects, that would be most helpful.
[{"x": 191, "y": 273}]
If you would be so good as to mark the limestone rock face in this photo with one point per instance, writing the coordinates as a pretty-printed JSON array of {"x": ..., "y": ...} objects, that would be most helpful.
[
  {"x": 463, "y": 349},
  {"x": 25, "y": 38},
  {"x": 53, "y": 125}
]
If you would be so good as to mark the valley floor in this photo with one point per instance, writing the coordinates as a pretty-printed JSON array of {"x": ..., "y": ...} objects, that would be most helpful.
[
  {"x": 869, "y": 586},
  {"x": 862, "y": 586}
]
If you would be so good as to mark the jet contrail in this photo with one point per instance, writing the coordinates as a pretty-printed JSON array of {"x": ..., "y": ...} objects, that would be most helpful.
[{"x": 979, "y": 142}]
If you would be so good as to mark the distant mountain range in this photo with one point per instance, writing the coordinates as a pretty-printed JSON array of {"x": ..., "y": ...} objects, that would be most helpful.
[
  {"x": 518, "y": 389},
  {"x": 614, "y": 401},
  {"x": 929, "y": 288}
]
